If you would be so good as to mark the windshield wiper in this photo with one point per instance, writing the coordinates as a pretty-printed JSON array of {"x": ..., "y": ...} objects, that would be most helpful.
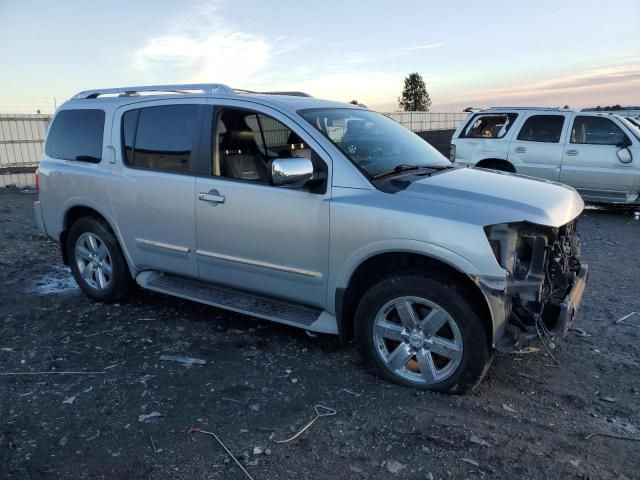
[{"x": 403, "y": 167}]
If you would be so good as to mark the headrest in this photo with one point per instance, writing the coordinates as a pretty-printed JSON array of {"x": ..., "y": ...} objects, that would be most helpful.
[
  {"x": 355, "y": 125},
  {"x": 294, "y": 141},
  {"x": 240, "y": 140}
]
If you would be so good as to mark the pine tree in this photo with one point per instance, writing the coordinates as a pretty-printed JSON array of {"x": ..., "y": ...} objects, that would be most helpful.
[{"x": 414, "y": 96}]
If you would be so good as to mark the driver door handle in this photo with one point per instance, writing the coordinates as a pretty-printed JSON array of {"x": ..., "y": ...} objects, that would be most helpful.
[
  {"x": 572, "y": 153},
  {"x": 520, "y": 150},
  {"x": 212, "y": 196}
]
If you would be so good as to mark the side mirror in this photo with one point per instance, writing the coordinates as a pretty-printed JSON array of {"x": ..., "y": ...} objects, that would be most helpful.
[
  {"x": 624, "y": 155},
  {"x": 291, "y": 172}
]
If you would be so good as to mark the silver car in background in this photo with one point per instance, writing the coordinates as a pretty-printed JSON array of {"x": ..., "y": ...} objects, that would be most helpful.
[{"x": 312, "y": 213}]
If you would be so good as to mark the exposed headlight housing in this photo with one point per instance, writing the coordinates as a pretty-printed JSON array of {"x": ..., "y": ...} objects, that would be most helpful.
[{"x": 452, "y": 153}]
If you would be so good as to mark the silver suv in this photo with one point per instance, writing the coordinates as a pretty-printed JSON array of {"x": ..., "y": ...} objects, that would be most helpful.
[{"x": 312, "y": 213}]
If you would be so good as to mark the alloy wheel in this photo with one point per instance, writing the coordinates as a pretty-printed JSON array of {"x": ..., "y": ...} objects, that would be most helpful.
[
  {"x": 418, "y": 340},
  {"x": 93, "y": 261}
]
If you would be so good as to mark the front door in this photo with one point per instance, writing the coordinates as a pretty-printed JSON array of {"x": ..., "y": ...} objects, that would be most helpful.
[
  {"x": 251, "y": 235},
  {"x": 591, "y": 163},
  {"x": 537, "y": 147}
]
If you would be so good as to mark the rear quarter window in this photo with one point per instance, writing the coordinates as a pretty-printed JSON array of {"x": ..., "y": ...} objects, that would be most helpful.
[
  {"x": 76, "y": 135},
  {"x": 488, "y": 125}
]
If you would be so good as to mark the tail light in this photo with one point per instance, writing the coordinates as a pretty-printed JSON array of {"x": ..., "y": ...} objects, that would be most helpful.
[
  {"x": 37, "y": 179},
  {"x": 452, "y": 153}
]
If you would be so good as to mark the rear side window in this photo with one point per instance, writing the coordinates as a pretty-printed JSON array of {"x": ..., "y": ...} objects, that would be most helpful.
[
  {"x": 76, "y": 135},
  {"x": 597, "y": 131},
  {"x": 542, "y": 128},
  {"x": 489, "y": 125},
  {"x": 159, "y": 138}
]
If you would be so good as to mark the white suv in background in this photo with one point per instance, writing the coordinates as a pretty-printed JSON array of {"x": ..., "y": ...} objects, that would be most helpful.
[{"x": 597, "y": 154}]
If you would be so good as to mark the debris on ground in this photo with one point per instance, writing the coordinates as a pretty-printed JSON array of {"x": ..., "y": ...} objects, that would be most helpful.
[
  {"x": 508, "y": 408},
  {"x": 350, "y": 392},
  {"x": 622, "y": 320},
  {"x": 321, "y": 411},
  {"x": 608, "y": 399},
  {"x": 69, "y": 400},
  {"x": 470, "y": 461},
  {"x": 479, "y": 441},
  {"x": 612, "y": 435},
  {"x": 183, "y": 360},
  {"x": 394, "y": 467},
  {"x": 144, "y": 418},
  {"x": 198, "y": 430},
  {"x": 581, "y": 332}
]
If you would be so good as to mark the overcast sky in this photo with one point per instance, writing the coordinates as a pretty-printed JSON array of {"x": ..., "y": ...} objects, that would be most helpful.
[{"x": 470, "y": 53}]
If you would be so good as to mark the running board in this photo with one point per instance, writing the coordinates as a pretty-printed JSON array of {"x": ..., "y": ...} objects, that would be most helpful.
[{"x": 249, "y": 304}]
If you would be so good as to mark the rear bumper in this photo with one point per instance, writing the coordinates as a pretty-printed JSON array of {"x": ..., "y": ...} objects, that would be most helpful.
[
  {"x": 571, "y": 303},
  {"x": 37, "y": 210}
]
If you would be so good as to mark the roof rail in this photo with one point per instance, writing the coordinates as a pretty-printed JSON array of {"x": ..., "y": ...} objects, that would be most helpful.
[
  {"x": 288, "y": 93},
  {"x": 129, "y": 91},
  {"x": 524, "y": 108}
]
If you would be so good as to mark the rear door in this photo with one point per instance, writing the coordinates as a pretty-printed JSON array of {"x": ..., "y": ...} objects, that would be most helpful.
[
  {"x": 153, "y": 186},
  {"x": 591, "y": 163},
  {"x": 537, "y": 147}
]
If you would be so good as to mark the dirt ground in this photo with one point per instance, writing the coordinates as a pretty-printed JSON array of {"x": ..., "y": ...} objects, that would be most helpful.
[{"x": 261, "y": 381}]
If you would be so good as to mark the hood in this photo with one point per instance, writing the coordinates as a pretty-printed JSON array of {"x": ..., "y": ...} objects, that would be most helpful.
[{"x": 489, "y": 197}]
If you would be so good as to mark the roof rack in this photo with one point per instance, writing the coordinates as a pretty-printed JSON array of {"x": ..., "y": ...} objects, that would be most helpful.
[
  {"x": 207, "y": 88},
  {"x": 131, "y": 91},
  {"x": 288, "y": 93},
  {"x": 525, "y": 108}
]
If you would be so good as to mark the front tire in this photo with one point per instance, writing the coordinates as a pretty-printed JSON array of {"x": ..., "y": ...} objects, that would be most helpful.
[
  {"x": 96, "y": 261},
  {"x": 423, "y": 333}
]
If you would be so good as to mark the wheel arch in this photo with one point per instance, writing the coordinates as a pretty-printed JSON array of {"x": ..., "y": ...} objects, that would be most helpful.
[
  {"x": 496, "y": 162},
  {"x": 76, "y": 211},
  {"x": 375, "y": 267}
]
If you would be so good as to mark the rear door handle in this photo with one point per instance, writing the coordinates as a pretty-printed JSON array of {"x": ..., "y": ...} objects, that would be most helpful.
[
  {"x": 572, "y": 153},
  {"x": 520, "y": 150},
  {"x": 212, "y": 196}
]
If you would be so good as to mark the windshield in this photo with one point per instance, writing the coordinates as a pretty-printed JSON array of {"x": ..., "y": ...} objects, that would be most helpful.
[
  {"x": 633, "y": 124},
  {"x": 375, "y": 143}
]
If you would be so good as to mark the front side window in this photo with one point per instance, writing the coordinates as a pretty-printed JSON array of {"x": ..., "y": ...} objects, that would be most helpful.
[
  {"x": 247, "y": 140},
  {"x": 76, "y": 135},
  {"x": 542, "y": 128},
  {"x": 372, "y": 141},
  {"x": 489, "y": 125},
  {"x": 159, "y": 138},
  {"x": 597, "y": 131}
]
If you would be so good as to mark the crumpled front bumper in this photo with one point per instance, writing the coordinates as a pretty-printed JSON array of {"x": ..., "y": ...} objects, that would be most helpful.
[
  {"x": 509, "y": 339},
  {"x": 571, "y": 303}
]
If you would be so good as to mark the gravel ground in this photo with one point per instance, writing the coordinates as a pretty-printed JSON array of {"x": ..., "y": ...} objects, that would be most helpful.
[{"x": 261, "y": 381}]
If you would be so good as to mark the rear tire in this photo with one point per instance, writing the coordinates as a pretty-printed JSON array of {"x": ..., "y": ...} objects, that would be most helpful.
[
  {"x": 96, "y": 261},
  {"x": 423, "y": 333}
]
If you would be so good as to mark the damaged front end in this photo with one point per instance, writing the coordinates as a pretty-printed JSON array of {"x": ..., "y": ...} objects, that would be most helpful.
[{"x": 545, "y": 280}]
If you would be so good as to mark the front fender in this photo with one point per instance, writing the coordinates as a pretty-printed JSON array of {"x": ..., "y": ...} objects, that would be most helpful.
[{"x": 353, "y": 261}]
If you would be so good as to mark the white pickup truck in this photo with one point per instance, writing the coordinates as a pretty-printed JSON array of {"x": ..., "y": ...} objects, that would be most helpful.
[{"x": 597, "y": 154}]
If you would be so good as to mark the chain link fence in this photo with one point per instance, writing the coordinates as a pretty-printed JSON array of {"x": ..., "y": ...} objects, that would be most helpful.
[
  {"x": 428, "y": 121},
  {"x": 21, "y": 139}
]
